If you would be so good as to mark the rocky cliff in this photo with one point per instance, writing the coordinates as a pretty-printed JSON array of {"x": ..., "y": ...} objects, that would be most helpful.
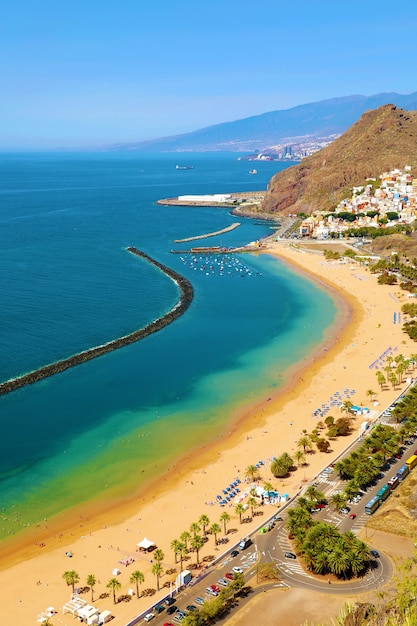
[{"x": 380, "y": 140}]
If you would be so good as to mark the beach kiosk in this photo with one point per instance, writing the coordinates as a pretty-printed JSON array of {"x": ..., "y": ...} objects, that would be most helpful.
[{"x": 88, "y": 614}]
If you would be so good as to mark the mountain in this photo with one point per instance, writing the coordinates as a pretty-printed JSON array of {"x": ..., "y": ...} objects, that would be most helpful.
[
  {"x": 315, "y": 120},
  {"x": 382, "y": 139}
]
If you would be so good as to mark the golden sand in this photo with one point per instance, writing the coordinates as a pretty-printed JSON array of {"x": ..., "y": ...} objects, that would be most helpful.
[{"x": 31, "y": 576}]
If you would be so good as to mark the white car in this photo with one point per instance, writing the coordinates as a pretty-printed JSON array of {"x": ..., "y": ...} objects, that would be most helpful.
[
  {"x": 238, "y": 570},
  {"x": 148, "y": 617}
]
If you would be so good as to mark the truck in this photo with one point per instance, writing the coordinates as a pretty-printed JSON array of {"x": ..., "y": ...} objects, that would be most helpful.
[{"x": 183, "y": 578}]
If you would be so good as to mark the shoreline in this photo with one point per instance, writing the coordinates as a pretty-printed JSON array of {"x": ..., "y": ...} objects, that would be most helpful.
[{"x": 250, "y": 436}]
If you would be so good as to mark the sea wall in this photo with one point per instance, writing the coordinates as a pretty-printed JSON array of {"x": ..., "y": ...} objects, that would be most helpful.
[{"x": 184, "y": 301}]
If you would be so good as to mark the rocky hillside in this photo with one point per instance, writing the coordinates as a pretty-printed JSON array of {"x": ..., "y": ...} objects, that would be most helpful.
[{"x": 382, "y": 139}]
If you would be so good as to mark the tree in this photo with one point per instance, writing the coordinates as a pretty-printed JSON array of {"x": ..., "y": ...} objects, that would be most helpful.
[
  {"x": 157, "y": 570},
  {"x": 175, "y": 547},
  {"x": 204, "y": 521},
  {"x": 185, "y": 537},
  {"x": 71, "y": 578},
  {"x": 299, "y": 457},
  {"x": 114, "y": 584},
  {"x": 91, "y": 581},
  {"x": 252, "y": 502},
  {"x": 252, "y": 473},
  {"x": 182, "y": 551},
  {"x": 215, "y": 529},
  {"x": 240, "y": 509},
  {"x": 380, "y": 378},
  {"x": 304, "y": 443},
  {"x": 197, "y": 542},
  {"x": 158, "y": 555},
  {"x": 225, "y": 517},
  {"x": 137, "y": 577},
  {"x": 347, "y": 406},
  {"x": 338, "y": 501},
  {"x": 195, "y": 528}
]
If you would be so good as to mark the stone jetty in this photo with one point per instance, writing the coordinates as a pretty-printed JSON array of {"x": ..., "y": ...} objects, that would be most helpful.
[{"x": 184, "y": 301}]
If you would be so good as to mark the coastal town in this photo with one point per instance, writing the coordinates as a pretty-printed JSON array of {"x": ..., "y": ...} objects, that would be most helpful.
[{"x": 390, "y": 199}]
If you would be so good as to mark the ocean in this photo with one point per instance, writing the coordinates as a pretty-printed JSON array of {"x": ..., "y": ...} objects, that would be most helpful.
[{"x": 67, "y": 284}]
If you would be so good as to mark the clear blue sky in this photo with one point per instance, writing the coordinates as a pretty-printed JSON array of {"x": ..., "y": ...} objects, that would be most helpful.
[{"x": 87, "y": 73}]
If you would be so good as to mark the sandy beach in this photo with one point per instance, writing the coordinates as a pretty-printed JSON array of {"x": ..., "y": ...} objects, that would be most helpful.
[{"x": 31, "y": 574}]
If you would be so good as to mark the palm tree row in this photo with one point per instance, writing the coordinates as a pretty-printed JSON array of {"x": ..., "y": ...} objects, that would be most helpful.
[{"x": 71, "y": 577}]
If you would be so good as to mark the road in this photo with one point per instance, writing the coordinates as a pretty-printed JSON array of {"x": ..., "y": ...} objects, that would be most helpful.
[{"x": 270, "y": 546}]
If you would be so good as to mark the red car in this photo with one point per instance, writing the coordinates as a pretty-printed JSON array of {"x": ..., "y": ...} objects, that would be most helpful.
[
  {"x": 352, "y": 516},
  {"x": 215, "y": 588},
  {"x": 320, "y": 506},
  {"x": 229, "y": 575}
]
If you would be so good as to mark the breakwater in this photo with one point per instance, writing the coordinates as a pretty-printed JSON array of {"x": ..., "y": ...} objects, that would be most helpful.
[
  {"x": 184, "y": 301},
  {"x": 207, "y": 235}
]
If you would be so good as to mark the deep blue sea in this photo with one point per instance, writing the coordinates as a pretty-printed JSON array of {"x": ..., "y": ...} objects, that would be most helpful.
[{"x": 67, "y": 283}]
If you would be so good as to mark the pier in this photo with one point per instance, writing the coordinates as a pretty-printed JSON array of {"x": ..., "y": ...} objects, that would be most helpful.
[
  {"x": 184, "y": 301},
  {"x": 206, "y": 236}
]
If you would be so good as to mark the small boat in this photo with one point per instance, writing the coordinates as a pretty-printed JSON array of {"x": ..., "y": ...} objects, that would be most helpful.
[
  {"x": 184, "y": 167},
  {"x": 253, "y": 171}
]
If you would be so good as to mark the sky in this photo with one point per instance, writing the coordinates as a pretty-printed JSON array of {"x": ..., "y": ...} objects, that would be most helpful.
[{"x": 89, "y": 74}]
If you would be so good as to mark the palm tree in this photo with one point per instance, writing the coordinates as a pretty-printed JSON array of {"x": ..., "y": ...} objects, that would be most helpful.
[
  {"x": 114, "y": 584},
  {"x": 252, "y": 502},
  {"x": 268, "y": 486},
  {"x": 215, "y": 530},
  {"x": 338, "y": 501},
  {"x": 204, "y": 521},
  {"x": 185, "y": 537},
  {"x": 371, "y": 394},
  {"x": 313, "y": 494},
  {"x": 197, "y": 542},
  {"x": 175, "y": 545},
  {"x": 182, "y": 551},
  {"x": 252, "y": 473},
  {"x": 299, "y": 457},
  {"x": 158, "y": 555},
  {"x": 71, "y": 578},
  {"x": 240, "y": 509},
  {"x": 225, "y": 517},
  {"x": 157, "y": 570},
  {"x": 195, "y": 528},
  {"x": 380, "y": 378},
  {"x": 305, "y": 443},
  {"x": 91, "y": 581},
  {"x": 346, "y": 406},
  {"x": 137, "y": 577}
]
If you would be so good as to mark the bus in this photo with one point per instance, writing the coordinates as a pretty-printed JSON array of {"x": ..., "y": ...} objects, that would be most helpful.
[
  {"x": 411, "y": 462},
  {"x": 393, "y": 482},
  {"x": 372, "y": 505},
  {"x": 403, "y": 472},
  {"x": 383, "y": 493}
]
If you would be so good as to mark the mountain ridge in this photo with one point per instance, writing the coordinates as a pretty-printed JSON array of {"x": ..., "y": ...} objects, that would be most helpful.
[
  {"x": 325, "y": 118},
  {"x": 381, "y": 140}
]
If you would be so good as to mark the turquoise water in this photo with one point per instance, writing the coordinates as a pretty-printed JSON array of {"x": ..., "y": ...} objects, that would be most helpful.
[{"x": 67, "y": 284}]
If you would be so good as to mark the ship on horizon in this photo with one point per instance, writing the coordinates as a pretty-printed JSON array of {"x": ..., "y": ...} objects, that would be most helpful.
[{"x": 184, "y": 167}]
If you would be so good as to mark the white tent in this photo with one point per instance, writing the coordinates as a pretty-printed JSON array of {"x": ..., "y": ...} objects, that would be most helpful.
[{"x": 146, "y": 544}]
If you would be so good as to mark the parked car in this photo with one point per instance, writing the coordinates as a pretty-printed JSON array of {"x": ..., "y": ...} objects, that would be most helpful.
[
  {"x": 148, "y": 617},
  {"x": 352, "y": 516},
  {"x": 172, "y": 609},
  {"x": 215, "y": 588},
  {"x": 234, "y": 553},
  {"x": 191, "y": 607},
  {"x": 223, "y": 582},
  {"x": 289, "y": 555},
  {"x": 320, "y": 505},
  {"x": 278, "y": 518},
  {"x": 238, "y": 570},
  {"x": 211, "y": 591},
  {"x": 170, "y": 600},
  {"x": 345, "y": 510},
  {"x": 200, "y": 600},
  {"x": 159, "y": 608},
  {"x": 229, "y": 575}
]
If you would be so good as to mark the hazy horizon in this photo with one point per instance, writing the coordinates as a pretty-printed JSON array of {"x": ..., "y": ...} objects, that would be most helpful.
[{"x": 85, "y": 76}]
